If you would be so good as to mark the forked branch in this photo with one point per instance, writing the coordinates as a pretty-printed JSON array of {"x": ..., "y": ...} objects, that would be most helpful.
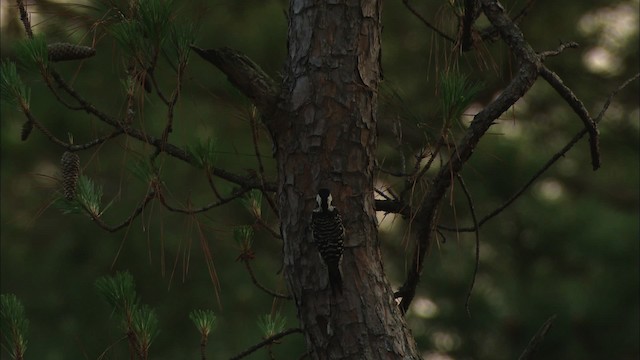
[{"x": 518, "y": 86}]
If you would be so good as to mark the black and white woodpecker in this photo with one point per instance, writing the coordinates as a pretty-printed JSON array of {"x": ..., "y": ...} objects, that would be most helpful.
[{"x": 328, "y": 234}]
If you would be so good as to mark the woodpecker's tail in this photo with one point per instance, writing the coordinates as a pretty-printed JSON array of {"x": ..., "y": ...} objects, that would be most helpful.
[{"x": 335, "y": 280}]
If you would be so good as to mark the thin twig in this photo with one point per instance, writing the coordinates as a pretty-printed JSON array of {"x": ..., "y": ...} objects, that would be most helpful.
[
  {"x": 266, "y": 226},
  {"x": 560, "y": 154},
  {"x": 559, "y": 50},
  {"x": 69, "y": 146},
  {"x": 255, "y": 281},
  {"x": 535, "y": 342},
  {"x": 578, "y": 107},
  {"x": 475, "y": 222},
  {"x": 191, "y": 211},
  {"x": 267, "y": 341},
  {"x": 256, "y": 150},
  {"x": 96, "y": 217},
  {"x": 614, "y": 93},
  {"x": 425, "y": 22}
]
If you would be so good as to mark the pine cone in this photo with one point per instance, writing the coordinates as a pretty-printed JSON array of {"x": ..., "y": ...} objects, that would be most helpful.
[
  {"x": 70, "y": 163},
  {"x": 26, "y": 130},
  {"x": 66, "y": 51}
]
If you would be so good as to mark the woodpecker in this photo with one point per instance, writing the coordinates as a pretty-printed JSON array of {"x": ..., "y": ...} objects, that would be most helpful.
[{"x": 328, "y": 234}]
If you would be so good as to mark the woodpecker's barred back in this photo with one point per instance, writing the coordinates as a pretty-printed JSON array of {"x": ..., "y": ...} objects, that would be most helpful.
[{"x": 328, "y": 234}]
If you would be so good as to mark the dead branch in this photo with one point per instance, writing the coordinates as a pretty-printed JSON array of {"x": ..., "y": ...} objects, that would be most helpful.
[
  {"x": 535, "y": 342},
  {"x": 578, "y": 107}
]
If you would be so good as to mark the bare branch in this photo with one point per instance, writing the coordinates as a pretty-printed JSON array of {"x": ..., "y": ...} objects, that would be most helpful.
[
  {"x": 427, "y": 23},
  {"x": 614, "y": 93},
  {"x": 475, "y": 223},
  {"x": 255, "y": 281},
  {"x": 191, "y": 211},
  {"x": 266, "y": 226},
  {"x": 535, "y": 342},
  {"x": 54, "y": 139},
  {"x": 519, "y": 85},
  {"x": 578, "y": 107},
  {"x": 245, "y": 75},
  {"x": 559, "y": 50},
  {"x": 267, "y": 341},
  {"x": 96, "y": 218},
  {"x": 256, "y": 150},
  {"x": 491, "y": 33},
  {"x": 560, "y": 154},
  {"x": 393, "y": 206}
]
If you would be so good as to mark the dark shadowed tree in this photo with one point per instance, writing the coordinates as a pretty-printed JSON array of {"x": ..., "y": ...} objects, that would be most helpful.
[{"x": 323, "y": 121}]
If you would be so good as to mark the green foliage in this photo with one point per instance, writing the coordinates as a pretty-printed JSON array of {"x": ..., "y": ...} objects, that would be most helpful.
[
  {"x": 130, "y": 37},
  {"x": 243, "y": 235},
  {"x": 456, "y": 94},
  {"x": 155, "y": 17},
  {"x": 33, "y": 52},
  {"x": 89, "y": 197},
  {"x": 204, "y": 153},
  {"x": 144, "y": 323},
  {"x": 144, "y": 35},
  {"x": 142, "y": 169},
  {"x": 119, "y": 291},
  {"x": 205, "y": 320},
  {"x": 271, "y": 324},
  {"x": 14, "y": 325},
  {"x": 14, "y": 91},
  {"x": 535, "y": 260},
  {"x": 253, "y": 202},
  {"x": 182, "y": 37},
  {"x": 139, "y": 319}
]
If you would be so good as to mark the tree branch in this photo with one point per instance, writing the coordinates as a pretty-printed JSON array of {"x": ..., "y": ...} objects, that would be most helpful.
[
  {"x": 255, "y": 281},
  {"x": 245, "y": 75},
  {"x": 578, "y": 107},
  {"x": 475, "y": 222},
  {"x": 393, "y": 206},
  {"x": 96, "y": 217},
  {"x": 535, "y": 342},
  {"x": 519, "y": 85},
  {"x": 267, "y": 341},
  {"x": 191, "y": 211},
  {"x": 425, "y": 22},
  {"x": 560, "y": 154},
  {"x": 559, "y": 50}
]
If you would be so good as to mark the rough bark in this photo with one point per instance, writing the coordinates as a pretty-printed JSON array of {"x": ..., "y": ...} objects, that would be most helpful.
[{"x": 327, "y": 138}]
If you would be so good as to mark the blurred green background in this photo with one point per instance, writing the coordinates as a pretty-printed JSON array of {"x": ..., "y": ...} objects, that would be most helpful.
[{"x": 568, "y": 246}]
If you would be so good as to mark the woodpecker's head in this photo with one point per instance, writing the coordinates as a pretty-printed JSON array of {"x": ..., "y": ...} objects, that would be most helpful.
[{"x": 324, "y": 200}]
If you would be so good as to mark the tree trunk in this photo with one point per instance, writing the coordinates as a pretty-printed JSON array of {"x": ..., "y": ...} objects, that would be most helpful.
[{"x": 327, "y": 138}]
